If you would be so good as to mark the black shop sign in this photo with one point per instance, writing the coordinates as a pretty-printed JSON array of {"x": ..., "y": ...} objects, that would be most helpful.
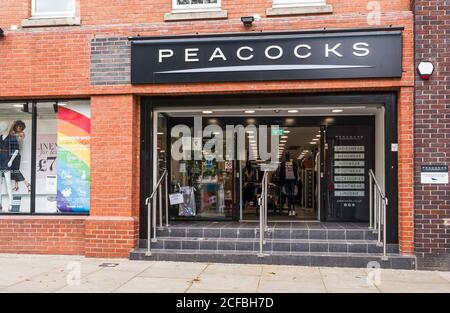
[{"x": 277, "y": 56}]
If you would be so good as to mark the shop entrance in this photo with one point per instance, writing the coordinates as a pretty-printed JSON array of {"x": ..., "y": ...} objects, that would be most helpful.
[
  {"x": 324, "y": 149},
  {"x": 215, "y": 159}
]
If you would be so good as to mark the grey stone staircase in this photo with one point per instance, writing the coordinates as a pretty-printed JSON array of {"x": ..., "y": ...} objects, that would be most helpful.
[{"x": 317, "y": 244}]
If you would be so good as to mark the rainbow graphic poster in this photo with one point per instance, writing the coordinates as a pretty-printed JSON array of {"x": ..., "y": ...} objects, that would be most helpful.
[{"x": 74, "y": 158}]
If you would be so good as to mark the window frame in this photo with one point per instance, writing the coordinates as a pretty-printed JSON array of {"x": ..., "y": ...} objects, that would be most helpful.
[
  {"x": 195, "y": 7},
  {"x": 297, "y": 3},
  {"x": 35, "y": 14},
  {"x": 34, "y": 105}
]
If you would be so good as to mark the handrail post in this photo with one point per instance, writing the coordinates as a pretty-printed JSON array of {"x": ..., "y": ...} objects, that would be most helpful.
[
  {"x": 384, "y": 231},
  {"x": 375, "y": 212},
  {"x": 380, "y": 205},
  {"x": 149, "y": 232},
  {"x": 370, "y": 201},
  {"x": 261, "y": 229},
  {"x": 167, "y": 199},
  {"x": 265, "y": 201},
  {"x": 160, "y": 206}
]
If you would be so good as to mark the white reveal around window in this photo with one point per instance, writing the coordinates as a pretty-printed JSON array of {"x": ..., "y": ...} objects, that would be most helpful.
[
  {"x": 195, "y": 5},
  {"x": 292, "y": 3},
  {"x": 53, "y": 8}
]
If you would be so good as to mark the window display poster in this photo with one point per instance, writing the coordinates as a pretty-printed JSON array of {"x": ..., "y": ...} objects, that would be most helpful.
[
  {"x": 45, "y": 158},
  {"x": 73, "y": 152}
]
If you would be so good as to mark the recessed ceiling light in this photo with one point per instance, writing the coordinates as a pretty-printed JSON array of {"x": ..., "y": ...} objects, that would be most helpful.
[
  {"x": 160, "y": 133},
  {"x": 337, "y": 111},
  {"x": 18, "y": 105},
  {"x": 284, "y": 137},
  {"x": 313, "y": 143},
  {"x": 251, "y": 136},
  {"x": 315, "y": 139},
  {"x": 283, "y": 141},
  {"x": 287, "y": 131},
  {"x": 318, "y": 136},
  {"x": 207, "y": 112},
  {"x": 249, "y": 111},
  {"x": 293, "y": 111}
]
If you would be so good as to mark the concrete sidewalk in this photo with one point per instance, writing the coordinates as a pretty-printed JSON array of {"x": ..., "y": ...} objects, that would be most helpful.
[{"x": 32, "y": 273}]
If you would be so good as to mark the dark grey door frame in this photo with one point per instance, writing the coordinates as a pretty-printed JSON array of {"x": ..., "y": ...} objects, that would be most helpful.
[{"x": 386, "y": 99}]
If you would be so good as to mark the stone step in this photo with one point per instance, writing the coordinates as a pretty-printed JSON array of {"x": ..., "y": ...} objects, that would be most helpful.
[
  {"x": 284, "y": 245},
  {"x": 277, "y": 233},
  {"x": 279, "y": 258}
]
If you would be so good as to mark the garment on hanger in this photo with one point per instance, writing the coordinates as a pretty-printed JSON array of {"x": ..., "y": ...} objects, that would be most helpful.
[{"x": 8, "y": 146}]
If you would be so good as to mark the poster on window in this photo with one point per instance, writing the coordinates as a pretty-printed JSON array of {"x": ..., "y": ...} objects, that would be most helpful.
[{"x": 74, "y": 166}]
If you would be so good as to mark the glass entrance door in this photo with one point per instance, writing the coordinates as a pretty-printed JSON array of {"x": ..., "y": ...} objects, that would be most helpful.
[{"x": 206, "y": 180}]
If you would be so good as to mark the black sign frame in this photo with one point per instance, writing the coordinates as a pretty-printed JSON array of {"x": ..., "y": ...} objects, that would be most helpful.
[{"x": 338, "y": 54}]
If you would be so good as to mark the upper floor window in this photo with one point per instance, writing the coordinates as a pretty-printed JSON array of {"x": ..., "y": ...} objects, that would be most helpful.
[
  {"x": 53, "y": 8},
  {"x": 195, "y": 5},
  {"x": 291, "y": 3}
]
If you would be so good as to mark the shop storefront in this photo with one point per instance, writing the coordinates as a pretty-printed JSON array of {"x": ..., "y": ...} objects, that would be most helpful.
[
  {"x": 96, "y": 118},
  {"x": 213, "y": 147}
]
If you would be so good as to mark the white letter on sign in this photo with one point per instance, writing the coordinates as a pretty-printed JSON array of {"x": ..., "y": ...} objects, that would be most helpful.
[
  {"x": 165, "y": 53},
  {"x": 274, "y": 57},
  {"x": 190, "y": 55},
  {"x": 240, "y": 57},
  {"x": 332, "y": 50},
  {"x": 300, "y": 56},
  {"x": 361, "y": 49},
  {"x": 217, "y": 54}
]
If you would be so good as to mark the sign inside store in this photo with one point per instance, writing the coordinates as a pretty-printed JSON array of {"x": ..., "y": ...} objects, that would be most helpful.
[
  {"x": 253, "y": 57},
  {"x": 176, "y": 198}
]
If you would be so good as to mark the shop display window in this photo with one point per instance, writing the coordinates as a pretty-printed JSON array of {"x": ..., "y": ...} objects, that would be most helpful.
[{"x": 45, "y": 154}]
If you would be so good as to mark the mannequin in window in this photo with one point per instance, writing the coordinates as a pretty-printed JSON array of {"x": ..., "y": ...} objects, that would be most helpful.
[
  {"x": 9, "y": 149},
  {"x": 18, "y": 131},
  {"x": 288, "y": 179},
  {"x": 249, "y": 184}
]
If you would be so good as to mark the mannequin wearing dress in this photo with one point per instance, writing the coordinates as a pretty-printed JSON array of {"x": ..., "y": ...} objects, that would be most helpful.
[{"x": 9, "y": 149}]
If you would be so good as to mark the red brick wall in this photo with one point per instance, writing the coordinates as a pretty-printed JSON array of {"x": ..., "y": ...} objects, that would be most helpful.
[
  {"x": 111, "y": 230},
  {"x": 42, "y": 235},
  {"x": 54, "y": 62},
  {"x": 432, "y": 133}
]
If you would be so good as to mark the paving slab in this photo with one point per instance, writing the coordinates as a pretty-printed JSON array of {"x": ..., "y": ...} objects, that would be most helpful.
[
  {"x": 406, "y": 287},
  {"x": 412, "y": 277},
  {"x": 43, "y": 283},
  {"x": 290, "y": 273},
  {"x": 226, "y": 282},
  {"x": 100, "y": 282},
  {"x": 174, "y": 270},
  {"x": 154, "y": 285},
  {"x": 234, "y": 269},
  {"x": 445, "y": 275},
  {"x": 278, "y": 286}
]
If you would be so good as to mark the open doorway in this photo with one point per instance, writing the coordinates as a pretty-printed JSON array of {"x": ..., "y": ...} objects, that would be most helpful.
[
  {"x": 293, "y": 185},
  {"x": 322, "y": 159}
]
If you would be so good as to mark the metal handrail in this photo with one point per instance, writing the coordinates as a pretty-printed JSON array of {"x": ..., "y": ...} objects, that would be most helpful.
[
  {"x": 263, "y": 214},
  {"x": 150, "y": 211},
  {"x": 377, "y": 212}
]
